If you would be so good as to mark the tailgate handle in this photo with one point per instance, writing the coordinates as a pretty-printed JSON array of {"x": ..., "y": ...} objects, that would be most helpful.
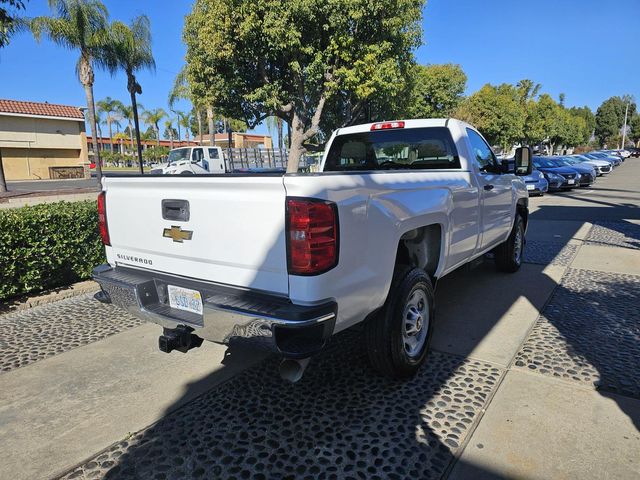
[{"x": 175, "y": 210}]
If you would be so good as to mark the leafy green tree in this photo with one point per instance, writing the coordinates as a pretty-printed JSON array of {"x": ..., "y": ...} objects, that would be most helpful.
[
  {"x": 129, "y": 50},
  {"x": 635, "y": 129},
  {"x": 252, "y": 60},
  {"x": 610, "y": 119},
  {"x": 79, "y": 25},
  {"x": 589, "y": 120},
  {"x": 436, "y": 91},
  {"x": 112, "y": 113},
  {"x": 155, "y": 153},
  {"x": 542, "y": 120},
  {"x": 527, "y": 90},
  {"x": 497, "y": 112}
]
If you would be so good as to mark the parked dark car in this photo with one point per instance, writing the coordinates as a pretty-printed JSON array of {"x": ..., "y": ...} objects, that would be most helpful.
[
  {"x": 588, "y": 173},
  {"x": 603, "y": 156},
  {"x": 571, "y": 178},
  {"x": 635, "y": 152}
]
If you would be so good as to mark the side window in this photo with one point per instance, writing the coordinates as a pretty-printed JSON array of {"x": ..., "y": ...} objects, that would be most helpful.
[
  {"x": 196, "y": 155},
  {"x": 481, "y": 151},
  {"x": 213, "y": 153}
]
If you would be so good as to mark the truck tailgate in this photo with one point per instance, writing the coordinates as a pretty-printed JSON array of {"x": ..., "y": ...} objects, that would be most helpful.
[{"x": 237, "y": 225}]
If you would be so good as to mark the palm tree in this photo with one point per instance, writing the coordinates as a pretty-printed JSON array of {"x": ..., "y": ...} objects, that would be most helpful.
[
  {"x": 181, "y": 91},
  {"x": 79, "y": 25},
  {"x": 97, "y": 141},
  {"x": 126, "y": 112},
  {"x": 111, "y": 109},
  {"x": 168, "y": 127},
  {"x": 275, "y": 123},
  {"x": 152, "y": 118},
  {"x": 130, "y": 50},
  {"x": 184, "y": 119},
  {"x": 179, "y": 115}
]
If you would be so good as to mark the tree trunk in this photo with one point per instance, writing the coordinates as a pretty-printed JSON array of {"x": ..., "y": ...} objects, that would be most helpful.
[
  {"x": 279, "y": 120},
  {"x": 110, "y": 133},
  {"x": 3, "y": 181},
  {"x": 131, "y": 135},
  {"x": 136, "y": 122},
  {"x": 200, "y": 126},
  {"x": 171, "y": 139},
  {"x": 296, "y": 139},
  {"x": 212, "y": 133},
  {"x": 88, "y": 90}
]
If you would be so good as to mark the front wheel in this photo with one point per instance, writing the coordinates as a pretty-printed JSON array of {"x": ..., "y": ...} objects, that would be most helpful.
[
  {"x": 398, "y": 337},
  {"x": 509, "y": 254}
]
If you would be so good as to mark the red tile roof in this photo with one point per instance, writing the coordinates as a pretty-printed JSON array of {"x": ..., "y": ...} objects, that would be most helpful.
[{"x": 41, "y": 109}]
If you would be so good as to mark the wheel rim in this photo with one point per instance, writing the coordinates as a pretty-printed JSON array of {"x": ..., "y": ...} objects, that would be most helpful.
[
  {"x": 415, "y": 323},
  {"x": 517, "y": 247}
]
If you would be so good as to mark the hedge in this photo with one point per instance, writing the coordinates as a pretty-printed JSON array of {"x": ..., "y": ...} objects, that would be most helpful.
[{"x": 47, "y": 246}]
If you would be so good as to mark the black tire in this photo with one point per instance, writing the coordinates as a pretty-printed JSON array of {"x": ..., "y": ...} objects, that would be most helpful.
[
  {"x": 507, "y": 255},
  {"x": 385, "y": 332},
  {"x": 186, "y": 172}
]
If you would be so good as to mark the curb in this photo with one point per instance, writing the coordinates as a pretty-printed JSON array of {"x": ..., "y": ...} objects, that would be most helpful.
[{"x": 50, "y": 296}]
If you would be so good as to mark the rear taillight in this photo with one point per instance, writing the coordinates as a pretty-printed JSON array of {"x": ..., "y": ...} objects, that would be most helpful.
[
  {"x": 102, "y": 218},
  {"x": 387, "y": 125},
  {"x": 312, "y": 236}
]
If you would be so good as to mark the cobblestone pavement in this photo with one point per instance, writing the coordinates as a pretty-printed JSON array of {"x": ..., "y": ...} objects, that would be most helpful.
[
  {"x": 40, "y": 332},
  {"x": 549, "y": 253},
  {"x": 589, "y": 332},
  {"x": 615, "y": 234},
  {"x": 336, "y": 423}
]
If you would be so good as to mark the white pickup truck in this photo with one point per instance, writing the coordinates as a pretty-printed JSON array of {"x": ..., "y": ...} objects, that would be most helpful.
[
  {"x": 193, "y": 161},
  {"x": 287, "y": 260}
]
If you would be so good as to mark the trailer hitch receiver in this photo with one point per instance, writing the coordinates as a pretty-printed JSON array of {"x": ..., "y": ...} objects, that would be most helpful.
[{"x": 179, "y": 338}]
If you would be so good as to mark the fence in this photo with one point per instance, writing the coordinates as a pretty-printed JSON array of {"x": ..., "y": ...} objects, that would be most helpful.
[{"x": 243, "y": 158}]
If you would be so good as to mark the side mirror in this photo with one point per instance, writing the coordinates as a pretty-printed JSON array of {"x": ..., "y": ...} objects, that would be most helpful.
[
  {"x": 524, "y": 161},
  {"x": 508, "y": 165}
]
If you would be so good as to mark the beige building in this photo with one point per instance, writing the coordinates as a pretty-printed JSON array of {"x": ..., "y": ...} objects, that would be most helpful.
[{"x": 42, "y": 141}]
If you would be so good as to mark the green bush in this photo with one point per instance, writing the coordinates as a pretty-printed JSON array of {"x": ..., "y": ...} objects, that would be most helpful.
[{"x": 47, "y": 246}]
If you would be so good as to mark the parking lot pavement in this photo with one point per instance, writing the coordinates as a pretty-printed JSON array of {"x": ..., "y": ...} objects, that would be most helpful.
[{"x": 533, "y": 375}]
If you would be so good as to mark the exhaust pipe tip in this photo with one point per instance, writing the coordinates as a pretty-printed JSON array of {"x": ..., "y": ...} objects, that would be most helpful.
[{"x": 292, "y": 370}]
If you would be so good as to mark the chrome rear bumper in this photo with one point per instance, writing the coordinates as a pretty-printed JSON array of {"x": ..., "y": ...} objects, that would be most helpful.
[{"x": 229, "y": 316}]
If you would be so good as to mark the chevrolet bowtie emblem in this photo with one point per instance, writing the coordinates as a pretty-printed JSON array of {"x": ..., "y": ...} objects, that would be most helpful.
[{"x": 177, "y": 234}]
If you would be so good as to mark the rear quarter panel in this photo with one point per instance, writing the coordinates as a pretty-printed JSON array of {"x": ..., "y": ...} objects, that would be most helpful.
[{"x": 375, "y": 210}]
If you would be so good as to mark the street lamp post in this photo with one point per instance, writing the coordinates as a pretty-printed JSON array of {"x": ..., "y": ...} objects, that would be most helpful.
[{"x": 624, "y": 128}]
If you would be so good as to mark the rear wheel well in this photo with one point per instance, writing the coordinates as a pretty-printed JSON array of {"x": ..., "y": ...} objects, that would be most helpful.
[{"x": 420, "y": 248}]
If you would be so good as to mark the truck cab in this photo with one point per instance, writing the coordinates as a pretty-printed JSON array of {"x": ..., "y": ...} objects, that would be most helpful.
[{"x": 193, "y": 161}]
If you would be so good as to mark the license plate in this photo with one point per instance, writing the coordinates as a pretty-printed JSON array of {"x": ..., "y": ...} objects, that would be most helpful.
[
  {"x": 185, "y": 299},
  {"x": 530, "y": 187},
  {"x": 571, "y": 182}
]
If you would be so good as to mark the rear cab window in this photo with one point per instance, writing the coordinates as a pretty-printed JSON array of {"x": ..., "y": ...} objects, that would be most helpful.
[{"x": 427, "y": 148}]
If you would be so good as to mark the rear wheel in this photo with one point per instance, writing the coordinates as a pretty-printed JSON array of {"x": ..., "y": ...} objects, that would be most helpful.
[
  {"x": 508, "y": 255},
  {"x": 398, "y": 337}
]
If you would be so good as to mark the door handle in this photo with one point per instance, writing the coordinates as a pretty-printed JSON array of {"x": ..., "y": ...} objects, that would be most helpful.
[{"x": 488, "y": 187}]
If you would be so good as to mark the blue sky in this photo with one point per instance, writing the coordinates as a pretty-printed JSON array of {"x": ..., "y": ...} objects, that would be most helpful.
[{"x": 586, "y": 49}]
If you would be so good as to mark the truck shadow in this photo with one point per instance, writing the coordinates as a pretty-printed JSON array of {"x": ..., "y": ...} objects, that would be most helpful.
[{"x": 344, "y": 421}]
